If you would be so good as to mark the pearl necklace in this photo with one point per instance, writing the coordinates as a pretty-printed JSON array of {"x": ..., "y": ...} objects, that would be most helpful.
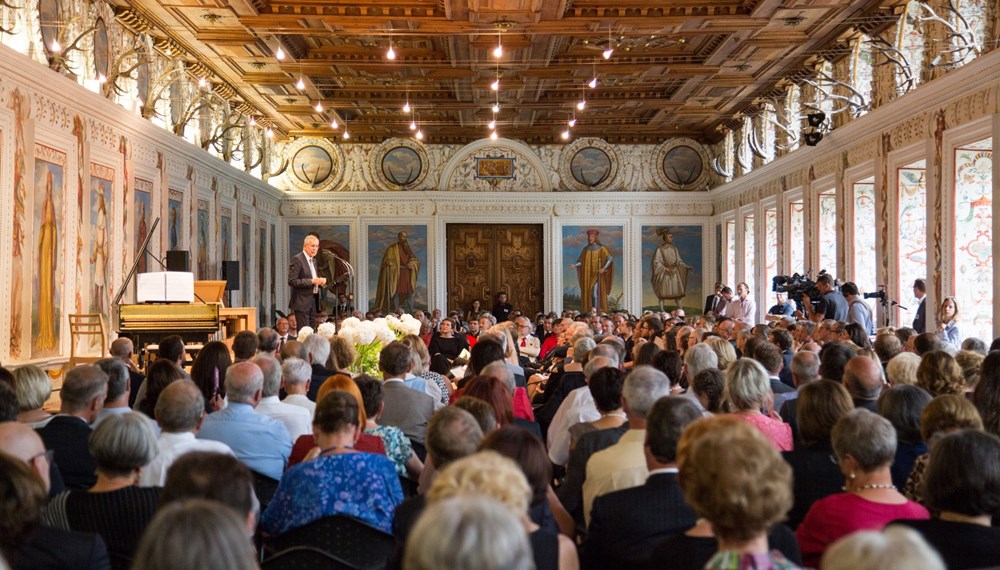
[
  {"x": 615, "y": 415},
  {"x": 872, "y": 486}
]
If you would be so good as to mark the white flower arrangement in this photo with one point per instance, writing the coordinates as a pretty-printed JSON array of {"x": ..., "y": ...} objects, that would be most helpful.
[
  {"x": 327, "y": 330},
  {"x": 368, "y": 337},
  {"x": 304, "y": 333}
]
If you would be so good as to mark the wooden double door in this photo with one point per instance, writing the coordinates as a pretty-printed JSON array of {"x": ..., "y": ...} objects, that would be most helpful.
[{"x": 487, "y": 259}]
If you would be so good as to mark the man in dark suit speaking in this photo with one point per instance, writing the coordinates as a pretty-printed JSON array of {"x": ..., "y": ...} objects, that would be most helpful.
[{"x": 305, "y": 282}]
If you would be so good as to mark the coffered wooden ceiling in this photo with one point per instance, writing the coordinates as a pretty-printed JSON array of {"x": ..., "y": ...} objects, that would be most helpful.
[{"x": 679, "y": 68}]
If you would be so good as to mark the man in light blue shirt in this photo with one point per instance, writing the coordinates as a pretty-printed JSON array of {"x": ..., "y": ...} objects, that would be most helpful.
[
  {"x": 858, "y": 311},
  {"x": 260, "y": 442}
]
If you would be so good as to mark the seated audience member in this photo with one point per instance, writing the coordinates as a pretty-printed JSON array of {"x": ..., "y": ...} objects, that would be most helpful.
[
  {"x": 122, "y": 349},
  {"x": 724, "y": 351},
  {"x": 971, "y": 363},
  {"x": 708, "y": 386},
  {"x": 865, "y": 445},
  {"x": 24, "y": 443},
  {"x": 305, "y": 446},
  {"x": 945, "y": 414},
  {"x": 179, "y": 412},
  {"x": 816, "y": 475},
  {"x": 437, "y": 385},
  {"x": 82, "y": 394},
  {"x": 962, "y": 486},
  {"x": 986, "y": 396},
  {"x": 895, "y": 548},
  {"x": 268, "y": 341},
  {"x": 938, "y": 373},
  {"x": 975, "y": 344},
  {"x": 605, "y": 386},
  {"x": 926, "y": 342},
  {"x": 578, "y": 407},
  {"x": 490, "y": 474},
  {"x": 24, "y": 541},
  {"x": 626, "y": 525},
  {"x": 623, "y": 465},
  {"x": 447, "y": 344},
  {"x": 748, "y": 391},
  {"x": 116, "y": 401},
  {"x": 521, "y": 402},
  {"x": 294, "y": 349},
  {"x": 195, "y": 534},
  {"x": 770, "y": 357},
  {"x": 407, "y": 409},
  {"x": 208, "y": 372},
  {"x": 495, "y": 392},
  {"x": 296, "y": 419},
  {"x": 887, "y": 346},
  {"x": 737, "y": 529},
  {"x": 481, "y": 411},
  {"x": 159, "y": 375},
  {"x": 296, "y": 374},
  {"x": 115, "y": 508},
  {"x": 245, "y": 345},
  {"x": 340, "y": 480},
  {"x": 33, "y": 388},
  {"x": 562, "y": 381},
  {"x": 902, "y": 369},
  {"x": 397, "y": 447},
  {"x": 529, "y": 453},
  {"x": 215, "y": 477},
  {"x": 863, "y": 380},
  {"x": 317, "y": 350},
  {"x": 8, "y": 401},
  {"x": 805, "y": 370},
  {"x": 469, "y": 532},
  {"x": 262, "y": 443},
  {"x": 902, "y": 406},
  {"x": 342, "y": 355}
]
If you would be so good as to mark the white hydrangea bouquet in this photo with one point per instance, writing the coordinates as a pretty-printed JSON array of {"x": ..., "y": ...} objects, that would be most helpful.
[{"x": 368, "y": 338}]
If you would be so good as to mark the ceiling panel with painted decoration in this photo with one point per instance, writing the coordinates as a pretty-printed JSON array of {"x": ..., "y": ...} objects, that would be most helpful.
[{"x": 679, "y": 68}]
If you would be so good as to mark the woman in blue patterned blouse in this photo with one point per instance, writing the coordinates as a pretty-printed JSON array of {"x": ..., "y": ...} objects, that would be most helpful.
[{"x": 339, "y": 480}]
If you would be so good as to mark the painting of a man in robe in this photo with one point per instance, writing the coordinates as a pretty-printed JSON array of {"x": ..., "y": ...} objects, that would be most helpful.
[
  {"x": 142, "y": 210},
  {"x": 100, "y": 200},
  {"x": 397, "y": 261},
  {"x": 174, "y": 221},
  {"x": 592, "y": 278},
  {"x": 672, "y": 268},
  {"x": 49, "y": 192},
  {"x": 245, "y": 238},
  {"x": 202, "y": 258},
  {"x": 226, "y": 237}
]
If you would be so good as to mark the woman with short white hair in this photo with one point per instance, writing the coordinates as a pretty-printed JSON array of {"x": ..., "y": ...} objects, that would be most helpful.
[
  {"x": 116, "y": 507},
  {"x": 32, "y": 387}
]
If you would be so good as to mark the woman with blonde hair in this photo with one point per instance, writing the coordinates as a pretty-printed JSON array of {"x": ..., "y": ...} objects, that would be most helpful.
[
  {"x": 947, "y": 328},
  {"x": 489, "y": 474},
  {"x": 32, "y": 387},
  {"x": 748, "y": 391},
  {"x": 342, "y": 354},
  {"x": 305, "y": 447},
  {"x": 724, "y": 350}
]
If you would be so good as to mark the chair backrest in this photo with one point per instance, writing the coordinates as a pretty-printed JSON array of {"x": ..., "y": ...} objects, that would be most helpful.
[
  {"x": 358, "y": 544},
  {"x": 89, "y": 326},
  {"x": 304, "y": 558},
  {"x": 264, "y": 487}
]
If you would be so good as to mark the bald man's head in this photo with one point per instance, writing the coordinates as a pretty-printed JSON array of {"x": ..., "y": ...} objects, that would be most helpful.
[
  {"x": 863, "y": 378},
  {"x": 20, "y": 441}
]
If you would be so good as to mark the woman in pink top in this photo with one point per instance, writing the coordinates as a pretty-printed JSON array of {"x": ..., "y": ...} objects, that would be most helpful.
[
  {"x": 865, "y": 445},
  {"x": 748, "y": 390}
]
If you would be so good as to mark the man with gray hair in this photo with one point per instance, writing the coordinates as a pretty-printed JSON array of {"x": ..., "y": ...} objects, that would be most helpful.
[
  {"x": 297, "y": 420},
  {"x": 577, "y": 407},
  {"x": 116, "y": 401},
  {"x": 267, "y": 342},
  {"x": 296, "y": 375},
  {"x": 697, "y": 358},
  {"x": 179, "y": 412},
  {"x": 317, "y": 349},
  {"x": 623, "y": 465},
  {"x": 805, "y": 370},
  {"x": 260, "y": 442},
  {"x": 83, "y": 392}
]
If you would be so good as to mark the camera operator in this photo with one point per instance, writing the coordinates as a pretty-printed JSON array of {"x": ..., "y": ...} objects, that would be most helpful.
[
  {"x": 857, "y": 310},
  {"x": 831, "y": 305}
]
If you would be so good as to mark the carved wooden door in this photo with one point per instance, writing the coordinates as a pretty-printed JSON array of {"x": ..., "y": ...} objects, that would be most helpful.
[{"x": 486, "y": 259}]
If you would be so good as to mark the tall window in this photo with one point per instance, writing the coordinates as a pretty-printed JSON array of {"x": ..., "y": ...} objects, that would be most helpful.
[
  {"x": 731, "y": 250},
  {"x": 912, "y": 219},
  {"x": 770, "y": 251},
  {"x": 864, "y": 263},
  {"x": 749, "y": 257},
  {"x": 974, "y": 239},
  {"x": 797, "y": 237},
  {"x": 828, "y": 232}
]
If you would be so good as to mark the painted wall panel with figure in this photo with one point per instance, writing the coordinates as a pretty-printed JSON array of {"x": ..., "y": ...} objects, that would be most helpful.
[
  {"x": 143, "y": 215},
  {"x": 397, "y": 268},
  {"x": 48, "y": 231},
  {"x": 672, "y": 268},
  {"x": 592, "y": 268},
  {"x": 99, "y": 254}
]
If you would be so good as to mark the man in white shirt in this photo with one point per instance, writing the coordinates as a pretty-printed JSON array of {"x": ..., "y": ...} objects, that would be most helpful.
[
  {"x": 742, "y": 308},
  {"x": 623, "y": 465},
  {"x": 577, "y": 407},
  {"x": 297, "y": 419},
  {"x": 528, "y": 344},
  {"x": 179, "y": 412},
  {"x": 296, "y": 375}
]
